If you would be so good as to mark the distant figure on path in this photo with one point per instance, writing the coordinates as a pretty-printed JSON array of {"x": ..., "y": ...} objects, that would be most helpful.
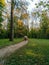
[{"x": 25, "y": 38}]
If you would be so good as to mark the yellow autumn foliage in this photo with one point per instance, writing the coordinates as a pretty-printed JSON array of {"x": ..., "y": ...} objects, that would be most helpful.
[
  {"x": 20, "y": 22},
  {"x": 25, "y": 15},
  {"x": 2, "y": 1}
]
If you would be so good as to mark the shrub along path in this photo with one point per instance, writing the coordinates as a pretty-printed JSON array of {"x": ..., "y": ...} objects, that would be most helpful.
[{"x": 10, "y": 49}]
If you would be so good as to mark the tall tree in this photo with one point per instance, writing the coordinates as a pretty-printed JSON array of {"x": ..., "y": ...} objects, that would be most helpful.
[
  {"x": 15, "y": 4},
  {"x": 11, "y": 23}
]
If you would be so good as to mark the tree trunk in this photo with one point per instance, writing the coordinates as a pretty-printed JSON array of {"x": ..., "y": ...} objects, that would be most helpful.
[{"x": 12, "y": 23}]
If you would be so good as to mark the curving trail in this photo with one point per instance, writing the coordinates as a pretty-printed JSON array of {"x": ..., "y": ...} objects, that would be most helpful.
[{"x": 10, "y": 49}]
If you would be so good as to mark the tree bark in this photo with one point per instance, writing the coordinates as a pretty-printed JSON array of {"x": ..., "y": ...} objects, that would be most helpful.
[{"x": 12, "y": 23}]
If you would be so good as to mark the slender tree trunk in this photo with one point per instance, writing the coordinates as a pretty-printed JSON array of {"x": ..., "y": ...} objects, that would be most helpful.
[{"x": 12, "y": 23}]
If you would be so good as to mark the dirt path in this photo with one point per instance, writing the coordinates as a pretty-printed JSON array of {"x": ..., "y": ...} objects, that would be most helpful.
[{"x": 10, "y": 49}]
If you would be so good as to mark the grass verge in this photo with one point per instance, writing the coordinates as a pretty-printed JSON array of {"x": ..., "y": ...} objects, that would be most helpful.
[{"x": 6, "y": 42}]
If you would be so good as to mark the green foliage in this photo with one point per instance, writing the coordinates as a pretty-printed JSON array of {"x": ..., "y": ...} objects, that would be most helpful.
[
  {"x": 20, "y": 30},
  {"x": 1, "y": 18},
  {"x": 44, "y": 25},
  {"x": 33, "y": 33},
  {"x": 4, "y": 34},
  {"x": 43, "y": 30},
  {"x": 44, "y": 4}
]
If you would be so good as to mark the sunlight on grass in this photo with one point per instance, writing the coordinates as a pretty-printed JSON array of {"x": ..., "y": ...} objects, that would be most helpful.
[
  {"x": 33, "y": 44},
  {"x": 31, "y": 53}
]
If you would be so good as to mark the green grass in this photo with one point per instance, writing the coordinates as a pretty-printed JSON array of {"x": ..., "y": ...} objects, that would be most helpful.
[
  {"x": 6, "y": 42},
  {"x": 36, "y": 52}
]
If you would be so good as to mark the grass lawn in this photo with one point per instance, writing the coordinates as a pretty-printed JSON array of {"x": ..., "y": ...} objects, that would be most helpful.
[
  {"x": 36, "y": 52},
  {"x": 6, "y": 42}
]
